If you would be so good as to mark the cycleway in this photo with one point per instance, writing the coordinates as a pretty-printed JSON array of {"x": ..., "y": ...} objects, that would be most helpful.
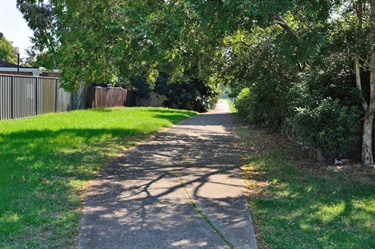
[{"x": 182, "y": 188}]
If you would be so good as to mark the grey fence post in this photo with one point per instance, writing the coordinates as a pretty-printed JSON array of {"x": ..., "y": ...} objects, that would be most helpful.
[
  {"x": 12, "y": 97},
  {"x": 71, "y": 101},
  {"x": 55, "y": 95},
  {"x": 36, "y": 96}
]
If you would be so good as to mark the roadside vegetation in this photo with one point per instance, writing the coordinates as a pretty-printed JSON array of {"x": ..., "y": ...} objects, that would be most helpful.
[
  {"x": 303, "y": 68},
  {"x": 47, "y": 162},
  {"x": 299, "y": 203},
  {"x": 231, "y": 105}
]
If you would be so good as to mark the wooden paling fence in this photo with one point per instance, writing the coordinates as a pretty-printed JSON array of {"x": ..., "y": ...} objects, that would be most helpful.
[{"x": 102, "y": 97}]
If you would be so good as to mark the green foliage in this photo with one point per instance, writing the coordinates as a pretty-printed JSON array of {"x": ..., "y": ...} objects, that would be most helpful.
[
  {"x": 328, "y": 108},
  {"x": 7, "y": 51},
  {"x": 270, "y": 108},
  {"x": 40, "y": 59},
  {"x": 231, "y": 105},
  {"x": 268, "y": 76},
  {"x": 140, "y": 85},
  {"x": 325, "y": 106},
  {"x": 186, "y": 93},
  {"x": 243, "y": 104},
  {"x": 191, "y": 93},
  {"x": 94, "y": 41},
  {"x": 328, "y": 125},
  {"x": 269, "y": 62},
  {"x": 234, "y": 89},
  {"x": 311, "y": 71}
]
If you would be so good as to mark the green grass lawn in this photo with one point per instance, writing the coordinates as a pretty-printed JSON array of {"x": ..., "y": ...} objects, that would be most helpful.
[
  {"x": 304, "y": 204},
  {"x": 47, "y": 162}
]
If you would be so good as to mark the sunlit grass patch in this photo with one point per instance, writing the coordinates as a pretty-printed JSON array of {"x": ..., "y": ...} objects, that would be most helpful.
[{"x": 305, "y": 207}]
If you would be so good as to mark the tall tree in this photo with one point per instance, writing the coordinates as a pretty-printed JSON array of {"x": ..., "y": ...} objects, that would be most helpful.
[
  {"x": 355, "y": 26},
  {"x": 8, "y": 53},
  {"x": 365, "y": 13}
]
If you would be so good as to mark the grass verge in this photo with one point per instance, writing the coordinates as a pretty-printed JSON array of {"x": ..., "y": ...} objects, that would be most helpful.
[
  {"x": 298, "y": 203},
  {"x": 47, "y": 162}
]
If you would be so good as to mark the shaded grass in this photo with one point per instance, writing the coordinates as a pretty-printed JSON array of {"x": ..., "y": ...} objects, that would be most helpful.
[
  {"x": 305, "y": 205},
  {"x": 47, "y": 162}
]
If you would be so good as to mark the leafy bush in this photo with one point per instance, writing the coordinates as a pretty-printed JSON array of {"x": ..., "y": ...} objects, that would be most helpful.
[
  {"x": 328, "y": 125},
  {"x": 191, "y": 94},
  {"x": 330, "y": 105},
  {"x": 264, "y": 104},
  {"x": 242, "y": 104}
]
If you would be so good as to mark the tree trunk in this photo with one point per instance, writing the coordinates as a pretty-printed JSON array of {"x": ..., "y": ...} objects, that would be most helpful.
[
  {"x": 357, "y": 72},
  {"x": 367, "y": 157}
]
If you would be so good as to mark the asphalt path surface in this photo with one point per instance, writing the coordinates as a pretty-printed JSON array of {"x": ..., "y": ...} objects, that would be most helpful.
[{"x": 183, "y": 188}]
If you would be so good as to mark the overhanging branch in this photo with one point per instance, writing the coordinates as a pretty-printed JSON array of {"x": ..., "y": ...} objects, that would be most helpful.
[{"x": 280, "y": 21}]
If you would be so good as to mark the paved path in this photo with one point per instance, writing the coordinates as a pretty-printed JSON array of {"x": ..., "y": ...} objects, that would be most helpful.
[{"x": 156, "y": 194}]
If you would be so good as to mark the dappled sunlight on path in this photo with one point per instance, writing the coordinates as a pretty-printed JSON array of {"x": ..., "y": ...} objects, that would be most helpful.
[{"x": 139, "y": 202}]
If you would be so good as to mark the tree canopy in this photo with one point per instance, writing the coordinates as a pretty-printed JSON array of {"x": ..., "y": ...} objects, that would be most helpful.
[
  {"x": 7, "y": 51},
  {"x": 304, "y": 63},
  {"x": 101, "y": 40}
]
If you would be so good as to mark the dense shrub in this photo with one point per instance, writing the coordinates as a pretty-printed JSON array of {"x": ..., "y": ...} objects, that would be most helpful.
[
  {"x": 190, "y": 93},
  {"x": 306, "y": 88},
  {"x": 242, "y": 104},
  {"x": 329, "y": 109},
  {"x": 328, "y": 125},
  {"x": 264, "y": 104}
]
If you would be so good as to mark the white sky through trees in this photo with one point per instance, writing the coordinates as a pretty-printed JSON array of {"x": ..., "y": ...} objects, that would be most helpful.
[{"x": 14, "y": 27}]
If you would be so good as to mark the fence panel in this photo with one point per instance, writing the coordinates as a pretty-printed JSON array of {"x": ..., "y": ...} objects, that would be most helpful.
[
  {"x": 22, "y": 96},
  {"x": 49, "y": 94},
  {"x": 39, "y": 97},
  {"x": 102, "y": 97},
  {"x": 6, "y": 111},
  {"x": 63, "y": 100}
]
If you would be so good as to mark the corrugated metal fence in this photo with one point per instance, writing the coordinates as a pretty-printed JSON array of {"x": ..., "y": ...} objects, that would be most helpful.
[{"x": 22, "y": 96}]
